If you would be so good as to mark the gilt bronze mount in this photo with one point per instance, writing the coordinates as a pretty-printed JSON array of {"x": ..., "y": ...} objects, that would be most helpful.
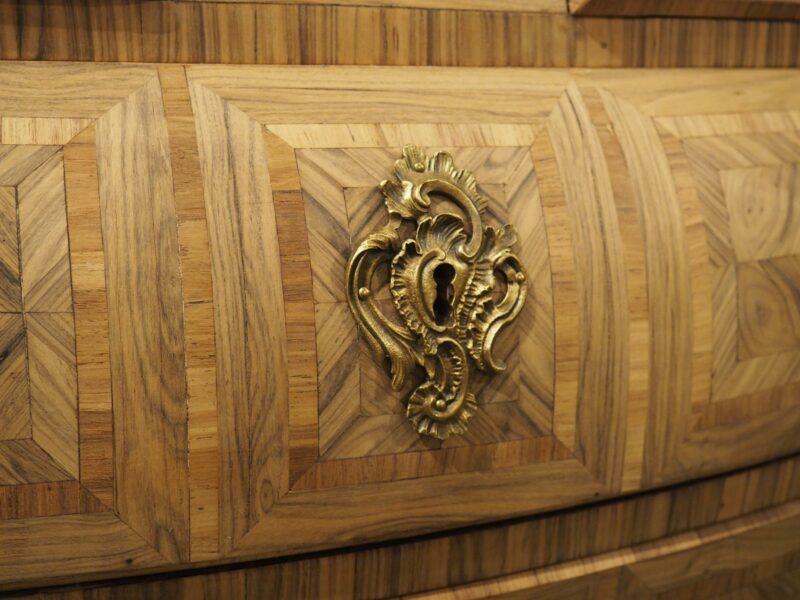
[{"x": 454, "y": 282}]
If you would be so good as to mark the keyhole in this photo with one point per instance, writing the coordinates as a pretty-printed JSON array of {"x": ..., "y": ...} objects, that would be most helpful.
[{"x": 443, "y": 304}]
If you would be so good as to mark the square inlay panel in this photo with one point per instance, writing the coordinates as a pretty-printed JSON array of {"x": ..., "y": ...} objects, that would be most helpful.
[
  {"x": 86, "y": 195},
  {"x": 748, "y": 183},
  {"x": 609, "y": 365},
  {"x": 360, "y": 414},
  {"x": 313, "y": 176}
]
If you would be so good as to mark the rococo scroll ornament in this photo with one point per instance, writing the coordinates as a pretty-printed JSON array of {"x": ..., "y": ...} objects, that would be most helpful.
[{"x": 454, "y": 282}]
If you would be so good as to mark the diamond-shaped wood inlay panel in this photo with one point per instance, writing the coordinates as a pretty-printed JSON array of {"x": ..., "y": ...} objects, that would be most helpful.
[
  {"x": 38, "y": 398},
  {"x": 612, "y": 367},
  {"x": 360, "y": 415}
]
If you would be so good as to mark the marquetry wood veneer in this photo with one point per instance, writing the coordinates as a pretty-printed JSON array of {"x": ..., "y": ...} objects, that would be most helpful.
[
  {"x": 82, "y": 150},
  {"x": 727, "y": 537},
  {"x": 463, "y": 33},
  {"x": 185, "y": 383},
  {"x": 738, "y": 9},
  {"x": 38, "y": 395}
]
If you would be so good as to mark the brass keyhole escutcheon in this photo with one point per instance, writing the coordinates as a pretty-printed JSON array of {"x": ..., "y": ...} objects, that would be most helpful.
[
  {"x": 455, "y": 283},
  {"x": 443, "y": 304}
]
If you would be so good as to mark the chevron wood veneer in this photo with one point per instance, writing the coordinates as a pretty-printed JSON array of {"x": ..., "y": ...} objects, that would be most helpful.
[
  {"x": 38, "y": 397},
  {"x": 181, "y": 380},
  {"x": 343, "y": 206}
]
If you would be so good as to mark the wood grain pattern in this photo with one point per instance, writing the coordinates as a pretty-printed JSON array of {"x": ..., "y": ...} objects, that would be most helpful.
[
  {"x": 602, "y": 369},
  {"x": 679, "y": 96},
  {"x": 10, "y": 289},
  {"x": 565, "y": 302},
  {"x": 658, "y": 525},
  {"x": 358, "y": 416},
  {"x": 44, "y": 252},
  {"x": 24, "y": 461},
  {"x": 665, "y": 259},
  {"x": 714, "y": 160},
  {"x": 225, "y": 408},
  {"x": 379, "y": 468},
  {"x": 40, "y": 366},
  {"x": 747, "y": 387},
  {"x": 394, "y": 135},
  {"x": 379, "y": 511},
  {"x": 657, "y": 570},
  {"x": 780, "y": 586},
  {"x": 326, "y": 215},
  {"x": 48, "y": 90},
  {"x": 555, "y": 6},
  {"x": 301, "y": 350},
  {"x": 757, "y": 200},
  {"x": 281, "y": 33},
  {"x": 339, "y": 383},
  {"x": 15, "y": 412},
  {"x": 737, "y": 9},
  {"x": 16, "y": 162},
  {"x": 66, "y": 468},
  {"x": 90, "y": 305},
  {"x": 708, "y": 125},
  {"x": 700, "y": 269},
  {"x": 634, "y": 258},
  {"x": 219, "y": 586},
  {"x": 198, "y": 313},
  {"x": 54, "y": 386},
  {"x": 251, "y": 379},
  {"x": 771, "y": 536},
  {"x": 147, "y": 354},
  {"x": 272, "y": 96},
  {"x": 41, "y": 469},
  {"x": 45, "y": 545},
  {"x": 40, "y": 130},
  {"x": 535, "y": 351},
  {"x": 769, "y": 314},
  {"x": 48, "y": 499}
]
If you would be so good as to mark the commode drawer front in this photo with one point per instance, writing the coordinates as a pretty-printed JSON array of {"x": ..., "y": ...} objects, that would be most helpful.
[{"x": 252, "y": 311}]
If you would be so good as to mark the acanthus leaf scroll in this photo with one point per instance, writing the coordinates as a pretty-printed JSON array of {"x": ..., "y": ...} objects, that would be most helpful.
[{"x": 455, "y": 282}]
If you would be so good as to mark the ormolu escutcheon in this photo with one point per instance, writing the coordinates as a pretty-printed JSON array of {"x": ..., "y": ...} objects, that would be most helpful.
[{"x": 454, "y": 282}]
